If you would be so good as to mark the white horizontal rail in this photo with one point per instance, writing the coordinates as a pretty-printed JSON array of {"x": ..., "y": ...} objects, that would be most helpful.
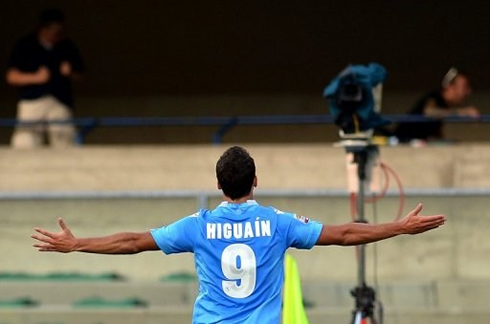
[{"x": 124, "y": 194}]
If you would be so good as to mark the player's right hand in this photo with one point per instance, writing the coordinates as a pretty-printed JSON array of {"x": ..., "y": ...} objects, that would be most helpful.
[{"x": 63, "y": 241}]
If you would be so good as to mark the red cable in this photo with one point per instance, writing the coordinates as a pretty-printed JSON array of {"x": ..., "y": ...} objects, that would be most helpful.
[
  {"x": 353, "y": 212},
  {"x": 385, "y": 188},
  {"x": 400, "y": 189},
  {"x": 353, "y": 202},
  {"x": 386, "y": 171},
  {"x": 353, "y": 205}
]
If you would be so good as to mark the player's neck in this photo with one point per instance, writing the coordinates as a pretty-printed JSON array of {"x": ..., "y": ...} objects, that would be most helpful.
[{"x": 238, "y": 200}]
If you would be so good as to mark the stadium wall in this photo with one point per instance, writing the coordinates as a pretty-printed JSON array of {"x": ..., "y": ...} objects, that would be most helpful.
[{"x": 455, "y": 251}]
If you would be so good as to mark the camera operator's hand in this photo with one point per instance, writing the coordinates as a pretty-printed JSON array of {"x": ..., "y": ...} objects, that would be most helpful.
[
  {"x": 66, "y": 69},
  {"x": 16, "y": 77},
  {"x": 470, "y": 111},
  {"x": 42, "y": 75}
]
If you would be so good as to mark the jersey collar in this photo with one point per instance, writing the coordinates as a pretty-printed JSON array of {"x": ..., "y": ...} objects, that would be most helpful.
[{"x": 250, "y": 202}]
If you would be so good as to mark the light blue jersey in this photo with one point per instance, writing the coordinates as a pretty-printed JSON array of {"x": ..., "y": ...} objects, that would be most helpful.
[{"x": 239, "y": 258}]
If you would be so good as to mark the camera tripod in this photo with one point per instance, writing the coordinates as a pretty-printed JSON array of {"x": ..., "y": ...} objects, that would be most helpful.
[{"x": 364, "y": 295}]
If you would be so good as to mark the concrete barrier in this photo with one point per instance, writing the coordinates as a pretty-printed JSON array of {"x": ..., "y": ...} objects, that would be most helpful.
[{"x": 192, "y": 167}]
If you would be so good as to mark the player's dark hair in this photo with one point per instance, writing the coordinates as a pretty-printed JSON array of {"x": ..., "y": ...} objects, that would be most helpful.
[
  {"x": 235, "y": 171},
  {"x": 51, "y": 16}
]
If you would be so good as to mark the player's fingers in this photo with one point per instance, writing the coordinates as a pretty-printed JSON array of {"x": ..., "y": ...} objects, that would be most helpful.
[
  {"x": 44, "y": 232},
  {"x": 62, "y": 224},
  {"x": 40, "y": 238},
  {"x": 433, "y": 223},
  {"x": 434, "y": 219},
  {"x": 46, "y": 250},
  {"x": 431, "y": 227},
  {"x": 416, "y": 210},
  {"x": 43, "y": 247}
]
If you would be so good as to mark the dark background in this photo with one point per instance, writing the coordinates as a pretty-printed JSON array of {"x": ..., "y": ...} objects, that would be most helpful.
[
  {"x": 147, "y": 47},
  {"x": 211, "y": 48}
]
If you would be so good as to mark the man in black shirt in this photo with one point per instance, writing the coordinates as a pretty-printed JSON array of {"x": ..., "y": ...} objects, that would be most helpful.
[
  {"x": 447, "y": 101},
  {"x": 42, "y": 66}
]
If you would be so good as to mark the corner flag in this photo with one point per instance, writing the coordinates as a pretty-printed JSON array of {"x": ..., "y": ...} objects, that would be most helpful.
[{"x": 293, "y": 311}]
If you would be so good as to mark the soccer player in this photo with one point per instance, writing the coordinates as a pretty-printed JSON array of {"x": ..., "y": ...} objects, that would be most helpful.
[{"x": 239, "y": 246}]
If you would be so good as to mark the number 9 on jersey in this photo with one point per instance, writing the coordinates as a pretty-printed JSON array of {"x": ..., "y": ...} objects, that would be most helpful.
[{"x": 239, "y": 265}]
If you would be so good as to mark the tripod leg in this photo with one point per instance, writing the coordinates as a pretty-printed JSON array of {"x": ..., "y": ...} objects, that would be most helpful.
[
  {"x": 360, "y": 318},
  {"x": 357, "y": 317}
]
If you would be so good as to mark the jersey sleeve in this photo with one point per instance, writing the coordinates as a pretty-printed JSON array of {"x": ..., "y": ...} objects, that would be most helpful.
[
  {"x": 300, "y": 231},
  {"x": 177, "y": 237}
]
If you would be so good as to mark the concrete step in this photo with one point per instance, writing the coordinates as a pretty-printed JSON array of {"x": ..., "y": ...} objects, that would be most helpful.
[
  {"x": 454, "y": 295},
  {"x": 460, "y": 295},
  {"x": 68, "y": 293},
  {"x": 183, "y": 315}
]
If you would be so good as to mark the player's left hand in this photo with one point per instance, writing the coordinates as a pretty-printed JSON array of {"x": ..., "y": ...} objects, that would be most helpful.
[
  {"x": 414, "y": 223},
  {"x": 63, "y": 241}
]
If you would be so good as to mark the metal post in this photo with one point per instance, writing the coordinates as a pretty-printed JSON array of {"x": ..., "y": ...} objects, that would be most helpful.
[{"x": 361, "y": 171}]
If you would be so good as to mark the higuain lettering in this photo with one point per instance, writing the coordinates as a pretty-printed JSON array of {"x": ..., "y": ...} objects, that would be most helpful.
[{"x": 243, "y": 230}]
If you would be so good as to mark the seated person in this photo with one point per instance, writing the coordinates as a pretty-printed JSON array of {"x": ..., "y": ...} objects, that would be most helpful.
[{"x": 447, "y": 101}]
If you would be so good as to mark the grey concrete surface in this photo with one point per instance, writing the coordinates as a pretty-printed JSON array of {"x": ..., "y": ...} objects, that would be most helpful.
[
  {"x": 173, "y": 315},
  {"x": 188, "y": 167},
  {"x": 329, "y": 302},
  {"x": 457, "y": 250}
]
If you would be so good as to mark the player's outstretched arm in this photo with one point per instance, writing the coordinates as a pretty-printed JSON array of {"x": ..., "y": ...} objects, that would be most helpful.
[
  {"x": 356, "y": 233},
  {"x": 120, "y": 243}
]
